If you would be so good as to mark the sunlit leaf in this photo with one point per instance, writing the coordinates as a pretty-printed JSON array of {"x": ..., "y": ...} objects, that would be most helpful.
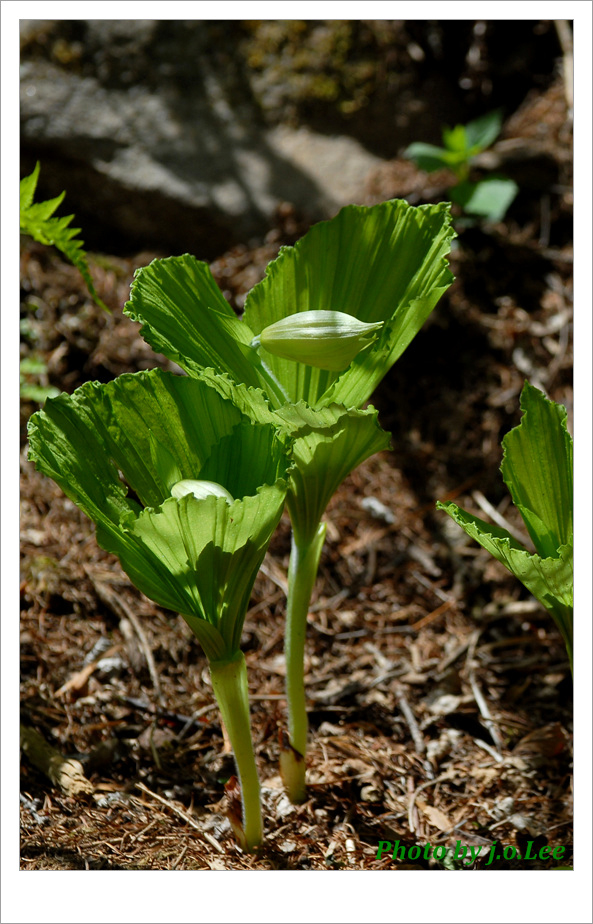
[
  {"x": 36, "y": 220},
  {"x": 456, "y": 140},
  {"x": 185, "y": 316},
  {"x": 114, "y": 449},
  {"x": 537, "y": 468},
  {"x": 483, "y": 131},
  {"x": 383, "y": 263},
  {"x": 325, "y": 454},
  {"x": 429, "y": 157},
  {"x": 490, "y": 197}
]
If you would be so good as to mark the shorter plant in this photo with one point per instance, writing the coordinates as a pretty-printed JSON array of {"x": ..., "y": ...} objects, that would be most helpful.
[
  {"x": 187, "y": 492},
  {"x": 488, "y": 197},
  {"x": 36, "y": 220},
  {"x": 537, "y": 469}
]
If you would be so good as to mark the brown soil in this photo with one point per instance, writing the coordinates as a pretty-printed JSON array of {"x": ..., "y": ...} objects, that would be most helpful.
[{"x": 439, "y": 691}]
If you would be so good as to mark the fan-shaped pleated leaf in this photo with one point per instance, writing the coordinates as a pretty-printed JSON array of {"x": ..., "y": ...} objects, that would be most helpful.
[
  {"x": 549, "y": 579},
  {"x": 327, "y": 444},
  {"x": 537, "y": 469},
  {"x": 153, "y": 427},
  {"x": 185, "y": 316},
  {"x": 324, "y": 456},
  {"x": 126, "y": 421},
  {"x": 383, "y": 263},
  {"x": 212, "y": 553}
]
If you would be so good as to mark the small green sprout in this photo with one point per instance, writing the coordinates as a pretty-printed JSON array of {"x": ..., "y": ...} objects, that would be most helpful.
[
  {"x": 461, "y": 144},
  {"x": 140, "y": 456},
  {"x": 537, "y": 469},
  {"x": 489, "y": 197},
  {"x": 36, "y": 221},
  {"x": 32, "y": 371}
]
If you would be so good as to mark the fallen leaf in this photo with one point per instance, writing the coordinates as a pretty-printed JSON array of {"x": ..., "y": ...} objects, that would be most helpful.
[{"x": 436, "y": 817}]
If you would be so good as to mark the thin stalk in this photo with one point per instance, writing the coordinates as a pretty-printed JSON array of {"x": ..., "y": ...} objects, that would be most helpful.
[
  {"x": 302, "y": 571},
  {"x": 564, "y": 624},
  {"x": 274, "y": 387},
  {"x": 229, "y": 681}
]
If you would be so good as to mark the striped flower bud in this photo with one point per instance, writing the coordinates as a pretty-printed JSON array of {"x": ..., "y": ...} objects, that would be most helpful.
[
  {"x": 200, "y": 489},
  {"x": 326, "y": 339}
]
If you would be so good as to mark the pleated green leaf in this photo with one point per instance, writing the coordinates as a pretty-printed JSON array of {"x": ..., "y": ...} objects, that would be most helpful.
[
  {"x": 185, "y": 316},
  {"x": 546, "y": 578},
  {"x": 212, "y": 551},
  {"x": 550, "y": 579},
  {"x": 383, "y": 263},
  {"x": 127, "y": 418},
  {"x": 328, "y": 444},
  {"x": 114, "y": 450},
  {"x": 537, "y": 469}
]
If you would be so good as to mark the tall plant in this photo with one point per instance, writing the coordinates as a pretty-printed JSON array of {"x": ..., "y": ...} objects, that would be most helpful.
[{"x": 384, "y": 266}]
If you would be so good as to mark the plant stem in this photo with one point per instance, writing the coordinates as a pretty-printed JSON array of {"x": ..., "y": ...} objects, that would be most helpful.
[
  {"x": 274, "y": 387},
  {"x": 564, "y": 622},
  {"x": 302, "y": 571},
  {"x": 229, "y": 680}
]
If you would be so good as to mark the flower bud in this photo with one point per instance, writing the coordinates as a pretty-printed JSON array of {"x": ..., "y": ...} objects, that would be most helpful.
[
  {"x": 200, "y": 489},
  {"x": 326, "y": 339}
]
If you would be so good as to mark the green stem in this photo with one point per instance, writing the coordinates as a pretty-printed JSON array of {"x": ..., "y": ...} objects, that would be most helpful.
[
  {"x": 229, "y": 680},
  {"x": 273, "y": 386},
  {"x": 562, "y": 614},
  {"x": 302, "y": 571},
  {"x": 565, "y": 627}
]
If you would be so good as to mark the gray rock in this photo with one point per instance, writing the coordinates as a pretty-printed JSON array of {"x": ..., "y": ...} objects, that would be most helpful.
[{"x": 158, "y": 143}]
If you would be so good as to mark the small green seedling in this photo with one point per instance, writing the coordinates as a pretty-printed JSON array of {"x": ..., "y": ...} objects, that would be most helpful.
[
  {"x": 32, "y": 370},
  {"x": 187, "y": 492},
  {"x": 537, "y": 469},
  {"x": 487, "y": 198},
  {"x": 36, "y": 220},
  {"x": 318, "y": 334}
]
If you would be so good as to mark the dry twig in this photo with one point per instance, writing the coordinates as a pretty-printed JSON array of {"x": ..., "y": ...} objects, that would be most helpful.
[
  {"x": 123, "y": 611},
  {"x": 480, "y": 700},
  {"x": 181, "y": 814}
]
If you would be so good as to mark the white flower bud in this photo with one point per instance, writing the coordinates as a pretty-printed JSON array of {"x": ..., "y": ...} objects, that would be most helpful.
[
  {"x": 326, "y": 339},
  {"x": 200, "y": 489}
]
